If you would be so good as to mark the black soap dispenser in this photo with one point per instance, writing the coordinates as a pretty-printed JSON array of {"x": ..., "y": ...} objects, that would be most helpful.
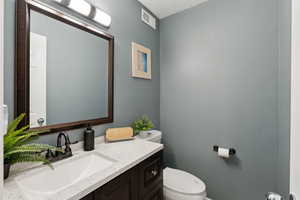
[{"x": 89, "y": 139}]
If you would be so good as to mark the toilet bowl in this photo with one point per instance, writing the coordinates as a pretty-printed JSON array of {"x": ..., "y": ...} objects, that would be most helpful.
[{"x": 178, "y": 184}]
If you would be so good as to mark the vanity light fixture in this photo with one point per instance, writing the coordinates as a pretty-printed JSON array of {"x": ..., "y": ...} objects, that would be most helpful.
[{"x": 88, "y": 10}]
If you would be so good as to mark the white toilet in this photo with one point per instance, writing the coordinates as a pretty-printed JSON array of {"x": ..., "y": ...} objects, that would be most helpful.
[{"x": 179, "y": 185}]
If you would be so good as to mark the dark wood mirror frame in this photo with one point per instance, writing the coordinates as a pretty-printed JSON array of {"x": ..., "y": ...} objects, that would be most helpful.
[{"x": 22, "y": 66}]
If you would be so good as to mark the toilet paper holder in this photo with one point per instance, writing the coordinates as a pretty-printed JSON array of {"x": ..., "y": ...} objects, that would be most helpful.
[{"x": 232, "y": 151}]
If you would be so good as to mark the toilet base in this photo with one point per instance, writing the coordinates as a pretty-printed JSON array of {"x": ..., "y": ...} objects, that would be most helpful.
[{"x": 171, "y": 195}]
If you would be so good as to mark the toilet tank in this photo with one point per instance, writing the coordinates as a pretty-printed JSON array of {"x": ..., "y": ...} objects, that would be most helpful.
[{"x": 154, "y": 136}]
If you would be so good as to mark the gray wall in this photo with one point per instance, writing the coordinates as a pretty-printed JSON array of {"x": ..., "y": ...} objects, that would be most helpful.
[
  {"x": 133, "y": 97},
  {"x": 77, "y": 68},
  {"x": 219, "y": 72},
  {"x": 284, "y": 88}
]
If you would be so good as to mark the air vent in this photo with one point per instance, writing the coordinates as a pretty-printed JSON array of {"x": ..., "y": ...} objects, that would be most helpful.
[{"x": 148, "y": 19}]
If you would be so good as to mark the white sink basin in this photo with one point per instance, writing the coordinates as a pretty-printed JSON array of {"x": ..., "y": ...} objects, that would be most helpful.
[{"x": 43, "y": 183}]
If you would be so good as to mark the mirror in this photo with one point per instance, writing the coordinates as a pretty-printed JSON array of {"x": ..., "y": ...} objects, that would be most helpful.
[{"x": 70, "y": 80}]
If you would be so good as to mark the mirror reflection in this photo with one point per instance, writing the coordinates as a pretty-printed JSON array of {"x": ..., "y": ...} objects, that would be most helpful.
[{"x": 68, "y": 73}]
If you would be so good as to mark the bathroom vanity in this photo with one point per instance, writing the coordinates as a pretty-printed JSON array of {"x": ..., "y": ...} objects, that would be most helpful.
[
  {"x": 144, "y": 182},
  {"x": 130, "y": 170}
]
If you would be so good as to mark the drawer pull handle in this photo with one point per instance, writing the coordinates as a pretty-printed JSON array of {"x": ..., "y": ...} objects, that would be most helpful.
[{"x": 154, "y": 172}]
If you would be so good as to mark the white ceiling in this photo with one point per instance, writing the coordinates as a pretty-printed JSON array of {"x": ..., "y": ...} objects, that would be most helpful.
[{"x": 164, "y": 8}]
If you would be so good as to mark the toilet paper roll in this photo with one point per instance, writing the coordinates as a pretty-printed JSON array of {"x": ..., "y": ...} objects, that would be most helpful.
[{"x": 224, "y": 153}]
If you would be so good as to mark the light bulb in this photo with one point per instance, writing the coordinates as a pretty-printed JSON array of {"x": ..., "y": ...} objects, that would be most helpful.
[
  {"x": 102, "y": 18},
  {"x": 80, "y": 6}
]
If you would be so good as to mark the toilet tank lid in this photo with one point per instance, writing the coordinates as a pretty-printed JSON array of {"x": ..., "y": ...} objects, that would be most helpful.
[
  {"x": 183, "y": 182},
  {"x": 155, "y": 135}
]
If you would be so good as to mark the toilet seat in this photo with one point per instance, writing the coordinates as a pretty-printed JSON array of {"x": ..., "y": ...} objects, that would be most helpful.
[{"x": 183, "y": 182}]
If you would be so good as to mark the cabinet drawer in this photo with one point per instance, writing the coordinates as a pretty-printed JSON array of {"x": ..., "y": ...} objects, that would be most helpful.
[{"x": 150, "y": 173}]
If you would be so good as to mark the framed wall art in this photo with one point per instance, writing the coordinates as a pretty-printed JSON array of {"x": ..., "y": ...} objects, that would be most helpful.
[{"x": 141, "y": 62}]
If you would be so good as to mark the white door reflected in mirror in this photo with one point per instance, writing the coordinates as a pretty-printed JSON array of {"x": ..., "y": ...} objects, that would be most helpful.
[{"x": 38, "y": 84}]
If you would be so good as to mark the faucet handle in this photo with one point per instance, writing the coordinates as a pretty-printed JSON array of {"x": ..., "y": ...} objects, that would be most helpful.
[
  {"x": 68, "y": 142},
  {"x": 50, "y": 154}
]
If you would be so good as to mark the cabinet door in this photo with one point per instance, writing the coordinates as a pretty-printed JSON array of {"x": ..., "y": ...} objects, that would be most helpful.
[
  {"x": 123, "y": 187},
  {"x": 155, "y": 195}
]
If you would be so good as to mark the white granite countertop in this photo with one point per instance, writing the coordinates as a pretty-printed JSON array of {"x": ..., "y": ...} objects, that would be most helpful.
[{"x": 126, "y": 154}]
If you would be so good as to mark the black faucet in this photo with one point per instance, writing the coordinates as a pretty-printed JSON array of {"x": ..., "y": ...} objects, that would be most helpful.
[{"x": 64, "y": 153}]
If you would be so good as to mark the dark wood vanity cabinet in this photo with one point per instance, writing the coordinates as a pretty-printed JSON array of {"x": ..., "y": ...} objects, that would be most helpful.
[
  {"x": 143, "y": 182},
  {"x": 123, "y": 187},
  {"x": 155, "y": 195}
]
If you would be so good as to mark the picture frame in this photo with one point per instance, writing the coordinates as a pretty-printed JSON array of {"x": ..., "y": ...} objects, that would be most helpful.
[{"x": 141, "y": 61}]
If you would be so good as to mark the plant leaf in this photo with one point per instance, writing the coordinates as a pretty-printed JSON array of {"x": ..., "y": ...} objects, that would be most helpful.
[
  {"x": 30, "y": 148},
  {"x": 27, "y": 157},
  {"x": 17, "y": 132},
  {"x": 14, "y": 124},
  {"x": 142, "y": 124}
]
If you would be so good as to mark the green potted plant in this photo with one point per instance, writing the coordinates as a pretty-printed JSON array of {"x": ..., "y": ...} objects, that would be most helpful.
[
  {"x": 142, "y": 126},
  {"x": 17, "y": 148}
]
